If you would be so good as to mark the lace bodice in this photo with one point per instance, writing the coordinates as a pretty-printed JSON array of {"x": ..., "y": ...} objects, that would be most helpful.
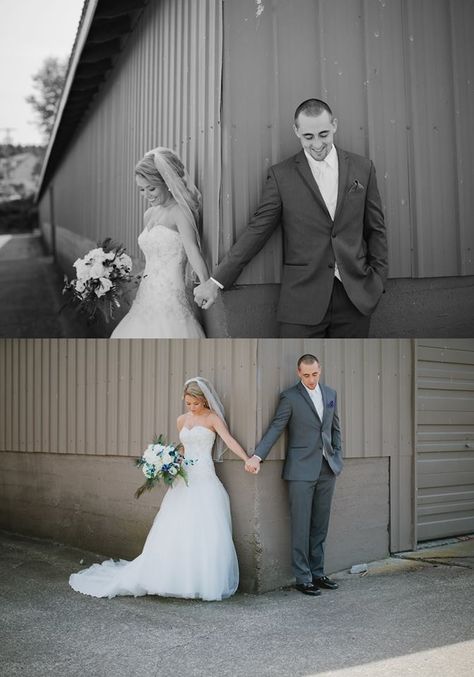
[
  {"x": 198, "y": 442},
  {"x": 162, "y": 308},
  {"x": 164, "y": 254}
]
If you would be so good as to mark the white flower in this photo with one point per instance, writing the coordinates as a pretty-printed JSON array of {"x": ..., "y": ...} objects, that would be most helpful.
[
  {"x": 79, "y": 286},
  {"x": 105, "y": 285},
  {"x": 152, "y": 452},
  {"x": 173, "y": 470},
  {"x": 82, "y": 269},
  {"x": 98, "y": 270},
  {"x": 98, "y": 254},
  {"x": 124, "y": 262},
  {"x": 167, "y": 458}
]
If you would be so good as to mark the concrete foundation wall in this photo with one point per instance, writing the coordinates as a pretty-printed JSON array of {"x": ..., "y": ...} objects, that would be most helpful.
[
  {"x": 358, "y": 529},
  {"x": 88, "y": 501},
  {"x": 440, "y": 307}
]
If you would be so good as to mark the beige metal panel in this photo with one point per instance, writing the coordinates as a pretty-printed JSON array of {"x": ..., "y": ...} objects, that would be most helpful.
[
  {"x": 164, "y": 90},
  {"x": 398, "y": 75},
  {"x": 445, "y": 438},
  {"x": 105, "y": 397},
  {"x": 373, "y": 379}
]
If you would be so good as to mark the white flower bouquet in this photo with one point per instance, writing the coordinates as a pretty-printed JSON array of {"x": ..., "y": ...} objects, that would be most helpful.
[
  {"x": 161, "y": 461},
  {"x": 101, "y": 280}
]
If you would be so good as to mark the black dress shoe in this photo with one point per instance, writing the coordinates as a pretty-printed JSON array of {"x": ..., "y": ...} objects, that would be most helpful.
[
  {"x": 308, "y": 589},
  {"x": 325, "y": 582}
]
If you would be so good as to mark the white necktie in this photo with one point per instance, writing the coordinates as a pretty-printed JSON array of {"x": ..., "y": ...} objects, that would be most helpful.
[
  {"x": 327, "y": 185},
  {"x": 318, "y": 402}
]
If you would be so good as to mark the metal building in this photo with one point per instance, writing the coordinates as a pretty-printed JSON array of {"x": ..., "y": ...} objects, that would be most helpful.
[
  {"x": 75, "y": 412},
  {"x": 218, "y": 81}
]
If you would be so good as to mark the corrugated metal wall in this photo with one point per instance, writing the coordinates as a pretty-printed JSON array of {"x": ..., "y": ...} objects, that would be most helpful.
[
  {"x": 94, "y": 396},
  {"x": 164, "y": 91},
  {"x": 399, "y": 76},
  {"x": 445, "y": 438}
]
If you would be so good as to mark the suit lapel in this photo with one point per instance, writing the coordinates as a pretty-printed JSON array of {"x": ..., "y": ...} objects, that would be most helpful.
[
  {"x": 304, "y": 170},
  {"x": 325, "y": 402},
  {"x": 343, "y": 161}
]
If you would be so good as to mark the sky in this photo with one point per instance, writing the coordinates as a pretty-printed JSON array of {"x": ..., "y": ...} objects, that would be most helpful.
[{"x": 30, "y": 31}]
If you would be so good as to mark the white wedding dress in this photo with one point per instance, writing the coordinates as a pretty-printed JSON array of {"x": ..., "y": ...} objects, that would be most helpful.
[
  {"x": 189, "y": 550},
  {"x": 161, "y": 308}
]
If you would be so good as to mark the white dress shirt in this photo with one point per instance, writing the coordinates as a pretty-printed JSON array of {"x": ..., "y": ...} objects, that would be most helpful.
[
  {"x": 326, "y": 175},
  {"x": 317, "y": 400}
]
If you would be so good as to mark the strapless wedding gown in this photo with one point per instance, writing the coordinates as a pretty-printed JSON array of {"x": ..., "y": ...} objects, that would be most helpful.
[
  {"x": 189, "y": 550},
  {"x": 161, "y": 308}
]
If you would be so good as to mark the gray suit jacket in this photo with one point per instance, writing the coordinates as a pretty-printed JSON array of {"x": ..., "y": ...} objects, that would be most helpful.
[
  {"x": 307, "y": 434},
  {"x": 312, "y": 242}
]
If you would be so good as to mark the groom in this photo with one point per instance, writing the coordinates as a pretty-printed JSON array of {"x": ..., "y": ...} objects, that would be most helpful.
[
  {"x": 313, "y": 460},
  {"x": 334, "y": 242}
]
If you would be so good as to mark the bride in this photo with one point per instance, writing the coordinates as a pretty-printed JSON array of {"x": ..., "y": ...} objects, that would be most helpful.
[
  {"x": 170, "y": 243},
  {"x": 189, "y": 550}
]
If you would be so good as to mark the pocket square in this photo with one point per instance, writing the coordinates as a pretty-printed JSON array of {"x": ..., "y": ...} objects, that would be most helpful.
[
  {"x": 356, "y": 187},
  {"x": 331, "y": 404}
]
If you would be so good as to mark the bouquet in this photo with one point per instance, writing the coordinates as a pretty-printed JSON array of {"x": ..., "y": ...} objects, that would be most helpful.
[
  {"x": 161, "y": 461},
  {"x": 101, "y": 278}
]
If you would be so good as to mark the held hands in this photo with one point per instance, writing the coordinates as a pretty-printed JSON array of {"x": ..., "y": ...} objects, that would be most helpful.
[
  {"x": 252, "y": 465},
  {"x": 205, "y": 294}
]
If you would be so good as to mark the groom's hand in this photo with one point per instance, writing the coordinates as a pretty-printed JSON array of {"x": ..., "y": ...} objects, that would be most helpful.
[
  {"x": 252, "y": 465},
  {"x": 205, "y": 294}
]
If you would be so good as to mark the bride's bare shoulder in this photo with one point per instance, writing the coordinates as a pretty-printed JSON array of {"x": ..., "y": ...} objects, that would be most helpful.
[{"x": 180, "y": 421}]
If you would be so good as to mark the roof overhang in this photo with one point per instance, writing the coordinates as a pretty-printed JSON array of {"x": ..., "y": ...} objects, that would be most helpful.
[{"x": 103, "y": 30}]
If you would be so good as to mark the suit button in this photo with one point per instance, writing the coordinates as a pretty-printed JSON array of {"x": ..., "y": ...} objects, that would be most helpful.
[
  {"x": 330, "y": 265},
  {"x": 333, "y": 235}
]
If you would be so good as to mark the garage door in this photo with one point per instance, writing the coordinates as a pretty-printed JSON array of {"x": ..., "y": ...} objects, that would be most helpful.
[{"x": 445, "y": 438}]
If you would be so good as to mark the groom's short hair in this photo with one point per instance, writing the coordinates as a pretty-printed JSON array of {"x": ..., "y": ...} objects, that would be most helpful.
[
  {"x": 312, "y": 107},
  {"x": 308, "y": 359}
]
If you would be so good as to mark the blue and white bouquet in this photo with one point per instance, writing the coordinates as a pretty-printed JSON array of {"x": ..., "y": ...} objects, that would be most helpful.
[
  {"x": 101, "y": 279},
  {"x": 161, "y": 461}
]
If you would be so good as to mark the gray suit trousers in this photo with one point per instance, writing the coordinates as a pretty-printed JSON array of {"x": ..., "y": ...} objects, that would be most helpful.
[{"x": 310, "y": 508}]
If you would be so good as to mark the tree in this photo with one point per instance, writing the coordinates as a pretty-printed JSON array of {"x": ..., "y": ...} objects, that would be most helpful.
[{"x": 49, "y": 83}]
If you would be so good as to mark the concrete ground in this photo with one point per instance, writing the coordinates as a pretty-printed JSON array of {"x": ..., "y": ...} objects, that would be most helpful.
[
  {"x": 30, "y": 293},
  {"x": 408, "y": 615}
]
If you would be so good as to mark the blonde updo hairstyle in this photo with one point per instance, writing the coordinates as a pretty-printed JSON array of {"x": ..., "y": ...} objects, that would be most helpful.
[
  {"x": 146, "y": 168},
  {"x": 194, "y": 390}
]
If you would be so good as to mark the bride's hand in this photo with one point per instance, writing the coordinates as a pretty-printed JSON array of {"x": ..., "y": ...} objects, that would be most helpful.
[
  {"x": 205, "y": 294},
  {"x": 252, "y": 465}
]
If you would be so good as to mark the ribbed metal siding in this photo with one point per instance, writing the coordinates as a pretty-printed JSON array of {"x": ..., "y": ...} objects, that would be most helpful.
[
  {"x": 164, "y": 91},
  {"x": 98, "y": 396},
  {"x": 399, "y": 76},
  {"x": 88, "y": 396},
  {"x": 445, "y": 438}
]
